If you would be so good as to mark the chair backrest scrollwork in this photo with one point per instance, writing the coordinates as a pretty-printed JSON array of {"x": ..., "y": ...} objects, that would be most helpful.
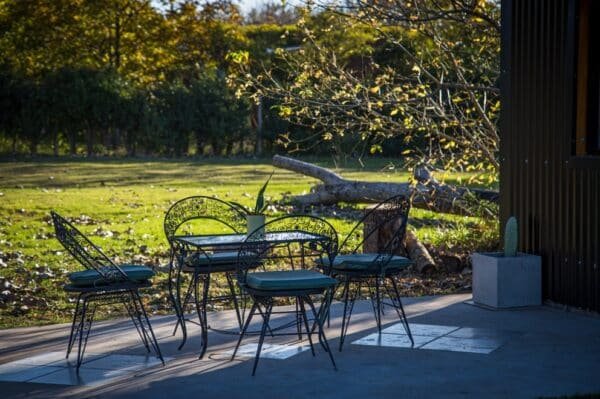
[
  {"x": 390, "y": 216},
  {"x": 86, "y": 253},
  {"x": 202, "y": 207},
  {"x": 278, "y": 234}
]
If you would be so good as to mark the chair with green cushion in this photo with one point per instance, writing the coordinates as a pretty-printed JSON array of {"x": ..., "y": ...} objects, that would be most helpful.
[
  {"x": 102, "y": 282},
  {"x": 211, "y": 213},
  {"x": 87, "y": 278},
  {"x": 384, "y": 224},
  {"x": 288, "y": 248}
]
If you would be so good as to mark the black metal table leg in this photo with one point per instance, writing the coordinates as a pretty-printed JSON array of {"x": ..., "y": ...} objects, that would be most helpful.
[
  {"x": 179, "y": 308},
  {"x": 201, "y": 308}
]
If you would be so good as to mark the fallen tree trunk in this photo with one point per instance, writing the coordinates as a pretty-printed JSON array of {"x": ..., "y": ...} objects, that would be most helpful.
[
  {"x": 428, "y": 193},
  {"x": 417, "y": 252}
]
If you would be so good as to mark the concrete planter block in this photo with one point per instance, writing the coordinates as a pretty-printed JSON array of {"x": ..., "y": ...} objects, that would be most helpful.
[{"x": 504, "y": 282}]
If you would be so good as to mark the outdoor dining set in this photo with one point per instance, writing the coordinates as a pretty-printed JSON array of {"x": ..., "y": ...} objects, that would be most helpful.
[{"x": 293, "y": 259}]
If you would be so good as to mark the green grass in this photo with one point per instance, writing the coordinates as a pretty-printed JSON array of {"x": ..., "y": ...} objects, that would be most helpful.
[{"x": 121, "y": 205}]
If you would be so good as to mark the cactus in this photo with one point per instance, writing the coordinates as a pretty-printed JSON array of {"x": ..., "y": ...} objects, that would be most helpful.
[{"x": 511, "y": 237}]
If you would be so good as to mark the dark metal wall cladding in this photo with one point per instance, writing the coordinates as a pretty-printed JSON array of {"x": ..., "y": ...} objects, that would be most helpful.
[{"x": 555, "y": 198}]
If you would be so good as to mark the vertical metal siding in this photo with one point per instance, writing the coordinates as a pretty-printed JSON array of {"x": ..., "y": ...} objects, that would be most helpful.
[{"x": 555, "y": 202}]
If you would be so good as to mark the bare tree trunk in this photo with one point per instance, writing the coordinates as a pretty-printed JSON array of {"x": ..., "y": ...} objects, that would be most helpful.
[
  {"x": 89, "y": 136},
  {"x": 216, "y": 147},
  {"x": 130, "y": 143},
  {"x": 55, "y": 142},
  {"x": 115, "y": 138},
  {"x": 107, "y": 139},
  {"x": 33, "y": 144},
  {"x": 14, "y": 143},
  {"x": 72, "y": 142}
]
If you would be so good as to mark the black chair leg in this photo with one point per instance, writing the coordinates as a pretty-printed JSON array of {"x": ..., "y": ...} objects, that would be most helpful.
[
  {"x": 263, "y": 331},
  {"x": 183, "y": 305},
  {"x": 325, "y": 308},
  {"x": 82, "y": 323},
  {"x": 403, "y": 318},
  {"x": 345, "y": 295},
  {"x": 321, "y": 331},
  {"x": 75, "y": 326},
  {"x": 268, "y": 327},
  {"x": 331, "y": 295},
  {"x": 135, "y": 316},
  {"x": 348, "y": 313},
  {"x": 141, "y": 312},
  {"x": 298, "y": 320},
  {"x": 305, "y": 319},
  {"x": 87, "y": 318},
  {"x": 393, "y": 298},
  {"x": 236, "y": 305},
  {"x": 243, "y": 331},
  {"x": 89, "y": 322},
  {"x": 147, "y": 327},
  {"x": 377, "y": 305}
]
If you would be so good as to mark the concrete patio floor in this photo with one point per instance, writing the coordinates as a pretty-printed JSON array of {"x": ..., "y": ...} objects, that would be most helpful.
[{"x": 461, "y": 351}]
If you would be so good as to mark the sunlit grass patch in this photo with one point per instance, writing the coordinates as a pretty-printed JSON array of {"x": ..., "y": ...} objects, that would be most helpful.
[{"x": 121, "y": 204}]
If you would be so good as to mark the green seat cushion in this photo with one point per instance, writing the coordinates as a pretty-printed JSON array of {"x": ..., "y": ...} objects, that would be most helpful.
[
  {"x": 366, "y": 261},
  {"x": 289, "y": 280},
  {"x": 90, "y": 278},
  {"x": 216, "y": 258}
]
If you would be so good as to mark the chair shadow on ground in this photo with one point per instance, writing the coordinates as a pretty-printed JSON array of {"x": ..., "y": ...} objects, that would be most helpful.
[{"x": 537, "y": 336}]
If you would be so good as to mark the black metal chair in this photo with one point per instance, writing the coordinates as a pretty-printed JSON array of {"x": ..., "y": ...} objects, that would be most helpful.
[
  {"x": 294, "y": 241},
  {"x": 201, "y": 263},
  {"x": 102, "y": 283},
  {"x": 374, "y": 270}
]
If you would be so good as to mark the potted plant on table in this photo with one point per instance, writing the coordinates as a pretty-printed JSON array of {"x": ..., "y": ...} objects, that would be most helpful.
[
  {"x": 507, "y": 279},
  {"x": 255, "y": 217}
]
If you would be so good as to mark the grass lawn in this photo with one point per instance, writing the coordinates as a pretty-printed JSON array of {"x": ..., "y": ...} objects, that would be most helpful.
[{"x": 121, "y": 205}]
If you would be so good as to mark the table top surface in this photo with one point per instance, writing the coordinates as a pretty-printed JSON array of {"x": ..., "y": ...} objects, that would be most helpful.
[{"x": 237, "y": 239}]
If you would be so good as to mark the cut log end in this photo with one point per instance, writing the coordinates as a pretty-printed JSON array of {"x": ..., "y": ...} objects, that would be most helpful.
[{"x": 417, "y": 252}]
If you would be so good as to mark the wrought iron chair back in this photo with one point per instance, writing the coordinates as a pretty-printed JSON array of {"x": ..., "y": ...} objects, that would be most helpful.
[
  {"x": 256, "y": 248},
  {"x": 183, "y": 257},
  {"x": 386, "y": 225},
  {"x": 202, "y": 207},
  {"x": 392, "y": 212},
  {"x": 86, "y": 253},
  {"x": 120, "y": 288},
  {"x": 301, "y": 236}
]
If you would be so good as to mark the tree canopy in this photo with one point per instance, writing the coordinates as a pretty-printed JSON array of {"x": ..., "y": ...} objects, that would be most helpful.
[
  {"x": 414, "y": 78},
  {"x": 423, "y": 74}
]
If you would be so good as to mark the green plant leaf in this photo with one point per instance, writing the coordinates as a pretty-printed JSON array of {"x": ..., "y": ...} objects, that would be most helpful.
[{"x": 260, "y": 199}]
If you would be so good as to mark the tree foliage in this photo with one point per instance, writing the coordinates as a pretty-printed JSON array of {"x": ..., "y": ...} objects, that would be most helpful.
[
  {"x": 119, "y": 75},
  {"x": 412, "y": 77},
  {"x": 422, "y": 71}
]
